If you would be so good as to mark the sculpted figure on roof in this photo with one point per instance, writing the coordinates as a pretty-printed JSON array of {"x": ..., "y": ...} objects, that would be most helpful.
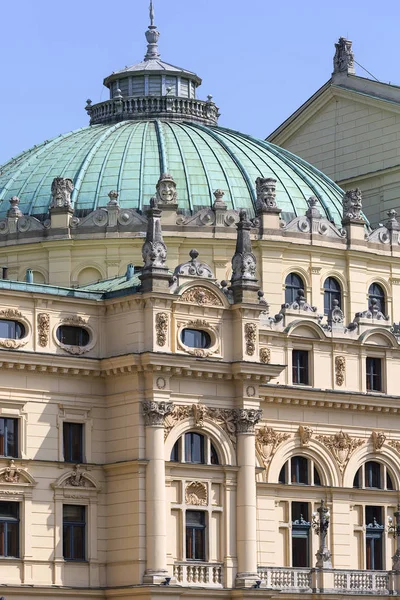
[
  {"x": 166, "y": 190},
  {"x": 266, "y": 193},
  {"x": 344, "y": 58},
  {"x": 61, "y": 190}
]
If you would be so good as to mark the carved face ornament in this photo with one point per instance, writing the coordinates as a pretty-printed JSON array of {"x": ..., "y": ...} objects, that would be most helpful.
[{"x": 166, "y": 189}]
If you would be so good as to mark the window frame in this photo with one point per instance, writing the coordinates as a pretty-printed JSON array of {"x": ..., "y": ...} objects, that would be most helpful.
[
  {"x": 17, "y": 436},
  {"x": 68, "y": 429},
  {"x": 360, "y": 474},
  {"x": 311, "y": 469},
  {"x": 373, "y": 534},
  {"x": 7, "y": 521},
  {"x": 301, "y": 370},
  {"x": 75, "y": 415},
  {"x": 209, "y": 450},
  {"x": 371, "y": 377},
  {"x": 380, "y": 297},
  {"x": 72, "y": 526},
  {"x": 292, "y": 289},
  {"x": 194, "y": 528},
  {"x": 331, "y": 295}
]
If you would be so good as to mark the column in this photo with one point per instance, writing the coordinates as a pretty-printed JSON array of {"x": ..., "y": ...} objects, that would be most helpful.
[
  {"x": 156, "y": 525},
  {"x": 246, "y": 513}
]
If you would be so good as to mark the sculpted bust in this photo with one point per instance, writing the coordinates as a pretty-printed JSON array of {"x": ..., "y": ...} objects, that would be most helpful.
[
  {"x": 61, "y": 190},
  {"x": 266, "y": 193},
  {"x": 166, "y": 190}
]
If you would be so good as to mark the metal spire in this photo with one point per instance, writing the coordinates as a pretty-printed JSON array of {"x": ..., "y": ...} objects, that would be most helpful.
[{"x": 152, "y": 36}]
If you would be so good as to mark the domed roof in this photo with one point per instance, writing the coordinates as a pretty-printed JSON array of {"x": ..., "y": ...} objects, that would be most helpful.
[{"x": 129, "y": 156}]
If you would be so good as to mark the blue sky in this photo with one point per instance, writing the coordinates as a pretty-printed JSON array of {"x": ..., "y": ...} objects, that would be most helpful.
[{"x": 259, "y": 59}]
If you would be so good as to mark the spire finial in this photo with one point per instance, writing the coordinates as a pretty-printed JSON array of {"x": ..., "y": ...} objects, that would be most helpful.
[
  {"x": 152, "y": 36},
  {"x": 151, "y": 14}
]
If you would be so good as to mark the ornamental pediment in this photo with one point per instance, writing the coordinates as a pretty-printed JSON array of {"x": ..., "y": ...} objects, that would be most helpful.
[
  {"x": 15, "y": 475},
  {"x": 77, "y": 479}
]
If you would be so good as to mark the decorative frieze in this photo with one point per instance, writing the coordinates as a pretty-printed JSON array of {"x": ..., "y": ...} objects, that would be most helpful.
[
  {"x": 267, "y": 442},
  {"x": 378, "y": 438},
  {"x": 161, "y": 328},
  {"x": 155, "y": 412},
  {"x": 340, "y": 369},
  {"x": 305, "y": 434},
  {"x": 246, "y": 419},
  {"x": 250, "y": 336},
  {"x": 43, "y": 321},
  {"x": 265, "y": 356},
  {"x": 196, "y": 493},
  {"x": 341, "y": 445},
  {"x": 201, "y": 296}
]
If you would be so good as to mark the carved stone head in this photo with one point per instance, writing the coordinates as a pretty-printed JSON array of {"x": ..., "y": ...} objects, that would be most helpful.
[
  {"x": 352, "y": 205},
  {"x": 166, "y": 190},
  {"x": 266, "y": 192},
  {"x": 61, "y": 190}
]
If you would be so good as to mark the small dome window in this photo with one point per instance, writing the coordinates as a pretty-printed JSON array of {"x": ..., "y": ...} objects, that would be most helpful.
[
  {"x": 72, "y": 336},
  {"x": 196, "y": 338},
  {"x": 13, "y": 330}
]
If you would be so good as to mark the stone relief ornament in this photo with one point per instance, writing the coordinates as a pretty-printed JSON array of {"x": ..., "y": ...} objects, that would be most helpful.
[
  {"x": 341, "y": 445},
  {"x": 161, "y": 328},
  {"x": 166, "y": 190},
  {"x": 300, "y": 303},
  {"x": 201, "y": 296},
  {"x": 246, "y": 419},
  {"x": 43, "y": 321},
  {"x": 10, "y": 313},
  {"x": 378, "y": 439},
  {"x": 178, "y": 413},
  {"x": 340, "y": 369},
  {"x": 78, "y": 478},
  {"x": 11, "y": 474},
  {"x": 267, "y": 442},
  {"x": 154, "y": 251},
  {"x": 305, "y": 434},
  {"x": 194, "y": 268},
  {"x": 352, "y": 205},
  {"x": 343, "y": 61},
  {"x": 395, "y": 444},
  {"x": 199, "y": 411},
  {"x": 154, "y": 413},
  {"x": 226, "y": 419},
  {"x": 266, "y": 194},
  {"x": 265, "y": 355},
  {"x": 250, "y": 336},
  {"x": 61, "y": 190},
  {"x": 196, "y": 493},
  {"x": 244, "y": 262},
  {"x": 335, "y": 315},
  {"x": 12, "y": 344},
  {"x": 75, "y": 321}
]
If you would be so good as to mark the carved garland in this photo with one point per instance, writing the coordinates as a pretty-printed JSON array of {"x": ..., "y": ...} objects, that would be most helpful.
[
  {"x": 161, "y": 328},
  {"x": 341, "y": 445},
  {"x": 43, "y": 320},
  {"x": 250, "y": 336},
  {"x": 340, "y": 369}
]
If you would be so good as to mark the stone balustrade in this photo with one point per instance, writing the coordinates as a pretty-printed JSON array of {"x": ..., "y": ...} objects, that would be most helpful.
[
  {"x": 362, "y": 582},
  {"x": 201, "y": 574},
  {"x": 282, "y": 578},
  {"x": 157, "y": 107}
]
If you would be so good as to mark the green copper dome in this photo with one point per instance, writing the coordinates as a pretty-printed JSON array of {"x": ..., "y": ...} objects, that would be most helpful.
[{"x": 129, "y": 157}]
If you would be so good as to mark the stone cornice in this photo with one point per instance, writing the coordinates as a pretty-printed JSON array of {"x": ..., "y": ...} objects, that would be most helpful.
[{"x": 317, "y": 398}]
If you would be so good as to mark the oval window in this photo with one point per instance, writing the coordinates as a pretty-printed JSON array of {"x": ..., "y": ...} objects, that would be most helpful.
[
  {"x": 72, "y": 336},
  {"x": 13, "y": 330},
  {"x": 196, "y": 338}
]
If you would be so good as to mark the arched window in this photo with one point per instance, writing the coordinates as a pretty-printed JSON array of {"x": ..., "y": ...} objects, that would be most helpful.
[
  {"x": 293, "y": 283},
  {"x": 376, "y": 292},
  {"x": 373, "y": 475},
  {"x": 299, "y": 470},
  {"x": 194, "y": 448},
  {"x": 332, "y": 291}
]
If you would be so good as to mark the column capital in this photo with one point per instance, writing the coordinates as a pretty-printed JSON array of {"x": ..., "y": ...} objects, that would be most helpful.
[
  {"x": 154, "y": 412},
  {"x": 246, "y": 419}
]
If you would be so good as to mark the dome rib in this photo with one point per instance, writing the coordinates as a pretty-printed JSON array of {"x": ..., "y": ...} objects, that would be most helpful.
[
  {"x": 189, "y": 191},
  {"x": 161, "y": 147},
  {"x": 88, "y": 159},
  {"x": 200, "y": 133},
  {"x": 185, "y": 130},
  {"x": 103, "y": 167},
  {"x": 141, "y": 167},
  {"x": 135, "y": 127}
]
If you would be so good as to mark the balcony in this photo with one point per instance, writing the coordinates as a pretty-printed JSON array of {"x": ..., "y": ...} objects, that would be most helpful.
[
  {"x": 169, "y": 108},
  {"x": 352, "y": 582},
  {"x": 198, "y": 574}
]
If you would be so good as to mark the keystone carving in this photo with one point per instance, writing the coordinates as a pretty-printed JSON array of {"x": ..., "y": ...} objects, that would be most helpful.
[
  {"x": 155, "y": 412},
  {"x": 201, "y": 296},
  {"x": 161, "y": 328},
  {"x": 250, "y": 336},
  {"x": 305, "y": 434},
  {"x": 196, "y": 493},
  {"x": 340, "y": 369},
  {"x": 265, "y": 355},
  {"x": 61, "y": 190},
  {"x": 341, "y": 445},
  {"x": 43, "y": 320},
  {"x": 267, "y": 442},
  {"x": 378, "y": 439},
  {"x": 246, "y": 419}
]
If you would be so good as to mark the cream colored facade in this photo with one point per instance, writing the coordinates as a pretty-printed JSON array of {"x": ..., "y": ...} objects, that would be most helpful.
[
  {"x": 350, "y": 130},
  {"x": 120, "y": 386}
]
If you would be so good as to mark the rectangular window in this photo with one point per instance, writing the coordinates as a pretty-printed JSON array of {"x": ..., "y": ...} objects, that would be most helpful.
[
  {"x": 74, "y": 532},
  {"x": 374, "y": 538},
  {"x": 374, "y": 374},
  {"x": 155, "y": 85},
  {"x": 300, "y": 534},
  {"x": 195, "y": 535},
  {"x": 300, "y": 367},
  {"x": 194, "y": 448},
  {"x": 8, "y": 437},
  {"x": 299, "y": 470},
  {"x": 73, "y": 442},
  {"x": 9, "y": 529}
]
